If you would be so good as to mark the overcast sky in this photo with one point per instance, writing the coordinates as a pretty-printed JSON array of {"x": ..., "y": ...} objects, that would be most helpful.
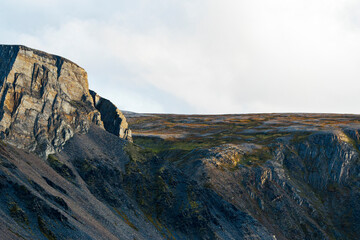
[{"x": 202, "y": 56}]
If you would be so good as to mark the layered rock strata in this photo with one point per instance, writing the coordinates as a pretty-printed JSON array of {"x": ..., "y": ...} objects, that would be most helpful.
[
  {"x": 113, "y": 119},
  {"x": 44, "y": 99}
]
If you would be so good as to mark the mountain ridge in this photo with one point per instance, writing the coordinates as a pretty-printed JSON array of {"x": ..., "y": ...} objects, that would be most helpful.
[{"x": 71, "y": 168}]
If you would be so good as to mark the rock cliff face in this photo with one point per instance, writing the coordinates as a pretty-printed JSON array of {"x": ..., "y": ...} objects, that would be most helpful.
[
  {"x": 44, "y": 100},
  {"x": 113, "y": 119}
]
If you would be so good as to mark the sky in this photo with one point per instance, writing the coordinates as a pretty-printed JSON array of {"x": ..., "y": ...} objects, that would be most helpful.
[{"x": 202, "y": 56}]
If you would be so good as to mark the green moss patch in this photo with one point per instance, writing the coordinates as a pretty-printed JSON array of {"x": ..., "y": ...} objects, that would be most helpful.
[
  {"x": 125, "y": 219},
  {"x": 256, "y": 157},
  {"x": 18, "y": 214},
  {"x": 61, "y": 168},
  {"x": 45, "y": 230}
]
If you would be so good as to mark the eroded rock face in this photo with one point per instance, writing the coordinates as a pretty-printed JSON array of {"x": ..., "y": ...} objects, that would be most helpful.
[
  {"x": 113, "y": 119},
  {"x": 44, "y": 100}
]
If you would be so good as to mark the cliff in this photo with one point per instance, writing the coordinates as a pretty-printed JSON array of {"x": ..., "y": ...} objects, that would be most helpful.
[
  {"x": 67, "y": 173},
  {"x": 44, "y": 100}
]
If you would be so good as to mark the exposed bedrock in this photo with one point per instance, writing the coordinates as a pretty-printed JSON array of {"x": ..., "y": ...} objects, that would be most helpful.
[
  {"x": 44, "y": 100},
  {"x": 113, "y": 119}
]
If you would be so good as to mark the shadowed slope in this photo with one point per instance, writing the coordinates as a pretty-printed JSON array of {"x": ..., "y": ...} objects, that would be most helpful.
[{"x": 93, "y": 191}]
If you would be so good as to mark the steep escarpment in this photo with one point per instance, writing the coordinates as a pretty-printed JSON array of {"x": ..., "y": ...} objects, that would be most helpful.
[
  {"x": 44, "y": 100},
  {"x": 100, "y": 185},
  {"x": 69, "y": 168}
]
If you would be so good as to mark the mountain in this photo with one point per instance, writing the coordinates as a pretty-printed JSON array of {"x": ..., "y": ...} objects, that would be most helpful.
[
  {"x": 296, "y": 174},
  {"x": 71, "y": 168}
]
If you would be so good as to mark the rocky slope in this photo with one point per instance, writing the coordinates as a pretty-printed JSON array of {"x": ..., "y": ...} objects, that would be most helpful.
[
  {"x": 69, "y": 169},
  {"x": 297, "y": 174}
]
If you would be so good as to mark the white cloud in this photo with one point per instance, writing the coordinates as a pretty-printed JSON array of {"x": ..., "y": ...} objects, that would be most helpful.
[{"x": 211, "y": 56}]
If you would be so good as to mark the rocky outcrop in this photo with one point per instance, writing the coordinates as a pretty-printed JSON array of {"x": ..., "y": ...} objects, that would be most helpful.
[
  {"x": 306, "y": 187},
  {"x": 44, "y": 99},
  {"x": 113, "y": 119}
]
